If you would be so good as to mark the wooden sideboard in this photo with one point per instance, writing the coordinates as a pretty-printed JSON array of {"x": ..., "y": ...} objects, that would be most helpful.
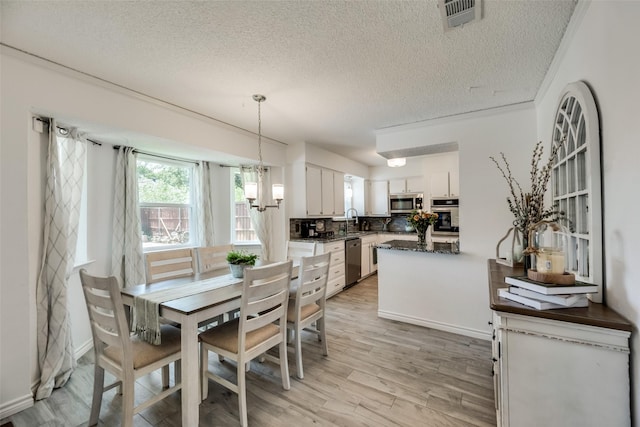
[{"x": 563, "y": 367}]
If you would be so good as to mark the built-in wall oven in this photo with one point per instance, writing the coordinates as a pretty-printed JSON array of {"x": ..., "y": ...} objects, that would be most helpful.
[{"x": 448, "y": 217}]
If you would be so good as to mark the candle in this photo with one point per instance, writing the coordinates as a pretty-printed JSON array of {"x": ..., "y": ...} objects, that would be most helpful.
[{"x": 550, "y": 260}]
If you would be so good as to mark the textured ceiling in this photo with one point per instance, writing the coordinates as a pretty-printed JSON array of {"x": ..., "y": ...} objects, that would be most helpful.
[{"x": 333, "y": 72}]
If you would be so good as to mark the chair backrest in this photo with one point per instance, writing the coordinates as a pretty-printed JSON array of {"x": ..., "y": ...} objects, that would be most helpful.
[
  {"x": 109, "y": 325},
  {"x": 312, "y": 280},
  {"x": 265, "y": 294},
  {"x": 171, "y": 264},
  {"x": 211, "y": 258},
  {"x": 296, "y": 250}
]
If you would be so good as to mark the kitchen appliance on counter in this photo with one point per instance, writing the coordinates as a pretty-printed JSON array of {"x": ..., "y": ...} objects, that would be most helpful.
[
  {"x": 353, "y": 260},
  {"x": 448, "y": 217},
  {"x": 405, "y": 202}
]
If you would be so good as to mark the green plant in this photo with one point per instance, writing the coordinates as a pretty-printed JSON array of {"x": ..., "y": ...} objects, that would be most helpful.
[
  {"x": 241, "y": 257},
  {"x": 421, "y": 220}
]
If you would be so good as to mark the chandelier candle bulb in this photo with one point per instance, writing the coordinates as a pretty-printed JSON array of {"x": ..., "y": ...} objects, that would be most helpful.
[
  {"x": 251, "y": 190},
  {"x": 277, "y": 191}
]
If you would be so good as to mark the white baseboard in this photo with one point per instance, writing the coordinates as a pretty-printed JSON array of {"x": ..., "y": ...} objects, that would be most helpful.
[
  {"x": 16, "y": 405},
  {"x": 80, "y": 351},
  {"x": 456, "y": 329}
]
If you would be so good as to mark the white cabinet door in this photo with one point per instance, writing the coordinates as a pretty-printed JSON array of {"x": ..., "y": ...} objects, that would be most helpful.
[
  {"x": 454, "y": 184},
  {"x": 365, "y": 267},
  {"x": 338, "y": 194},
  {"x": 314, "y": 190},
  {"x": 415, "y": 184},
  {"x": 327, "y": 192},
  {"x": 440, "y": 184},
  {"x": 397, "y": 186},
  {"x": 378, "y": 198}
]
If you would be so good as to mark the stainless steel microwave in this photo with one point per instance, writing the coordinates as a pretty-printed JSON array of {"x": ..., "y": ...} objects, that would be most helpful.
[{"x": 405, "y": 202}]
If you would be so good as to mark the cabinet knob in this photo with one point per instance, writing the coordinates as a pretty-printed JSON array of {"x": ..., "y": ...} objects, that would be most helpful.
[{"x": 490, "y": 323}]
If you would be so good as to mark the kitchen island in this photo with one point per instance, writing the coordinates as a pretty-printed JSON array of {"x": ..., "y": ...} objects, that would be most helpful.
[{"x": 429, "y": 286}]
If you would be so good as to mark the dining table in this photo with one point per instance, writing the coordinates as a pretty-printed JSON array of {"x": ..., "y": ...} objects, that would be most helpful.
[
  {"x": 219, "y": 294},
  {"x": 189, "y": 311}
]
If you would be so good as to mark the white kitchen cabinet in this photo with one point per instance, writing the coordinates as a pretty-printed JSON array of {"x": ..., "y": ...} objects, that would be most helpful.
[
  {"x": 324, "y": 191},
  {"x": 440, "y": 184},
  {"x": 554, "y": 373},
  {"x": 367, "y": 265},
  {"x": 413, "y": 184},
  {"x": 337, "y": 278},
  {"x": 377, "y": 201}
]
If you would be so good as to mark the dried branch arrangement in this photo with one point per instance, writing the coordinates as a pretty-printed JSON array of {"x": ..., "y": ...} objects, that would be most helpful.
[{"x": 528, "y": 206}]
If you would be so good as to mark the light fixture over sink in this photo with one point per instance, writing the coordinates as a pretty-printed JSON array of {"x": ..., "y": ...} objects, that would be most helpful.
[{"x": 254, "y": 191}]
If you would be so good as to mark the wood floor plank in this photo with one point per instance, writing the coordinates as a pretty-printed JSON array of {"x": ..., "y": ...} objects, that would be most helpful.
[{"x": 379, "y": 373}]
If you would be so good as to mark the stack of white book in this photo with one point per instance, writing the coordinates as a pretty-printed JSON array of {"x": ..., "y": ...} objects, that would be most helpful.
[{"x": 546, "y": 296}]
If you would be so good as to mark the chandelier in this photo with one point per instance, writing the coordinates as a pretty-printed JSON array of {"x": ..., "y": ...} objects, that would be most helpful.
[{"x": 254, "y": 191}]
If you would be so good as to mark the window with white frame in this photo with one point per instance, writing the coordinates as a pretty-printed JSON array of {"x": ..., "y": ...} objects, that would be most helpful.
[
  {"x": 165, "y": 194},
  {"x": 241, "y": 227}
]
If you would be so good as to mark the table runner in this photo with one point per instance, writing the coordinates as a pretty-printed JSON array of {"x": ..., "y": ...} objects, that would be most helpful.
[{"x": 146, "y": 307}]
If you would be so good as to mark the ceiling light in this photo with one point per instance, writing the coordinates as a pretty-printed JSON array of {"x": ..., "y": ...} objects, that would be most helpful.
[
  {"x": 397, "y": 162},
  {"x": 254, "y": 191}
]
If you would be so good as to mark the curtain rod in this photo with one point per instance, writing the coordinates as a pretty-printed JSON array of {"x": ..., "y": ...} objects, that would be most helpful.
[
  {"x": 178, "y": 159},
  {"x": 66, "y": 131}
]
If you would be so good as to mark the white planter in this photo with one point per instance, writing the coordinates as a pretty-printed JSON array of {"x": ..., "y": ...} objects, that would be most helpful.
[{"x": 237, "y": 270}]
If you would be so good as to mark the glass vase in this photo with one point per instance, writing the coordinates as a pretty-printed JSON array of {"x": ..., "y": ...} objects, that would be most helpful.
[{"x": 422, "y": 237}]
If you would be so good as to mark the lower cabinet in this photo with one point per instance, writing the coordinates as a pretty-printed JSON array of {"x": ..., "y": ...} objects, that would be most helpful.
[
  {"x": 556, "y": 373},
  {"x": 336, "y": 279},
  {"x": 368, "y": 262}
]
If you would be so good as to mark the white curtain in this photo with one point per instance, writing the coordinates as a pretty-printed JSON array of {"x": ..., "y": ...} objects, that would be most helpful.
[
  {"x": 63, "y": 192},
  {"x": 127, "y": 258},
  {"x": 261, "y": 221},
  {"x": 204, "y": 203}
]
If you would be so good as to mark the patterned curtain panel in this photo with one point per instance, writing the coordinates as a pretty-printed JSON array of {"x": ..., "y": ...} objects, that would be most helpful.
[
  {"x": 127, "y": 258},
  {"x": 261, "y": 221},
  {"x": 63, "y": 192},
  {"x": 204, "y": 203}
]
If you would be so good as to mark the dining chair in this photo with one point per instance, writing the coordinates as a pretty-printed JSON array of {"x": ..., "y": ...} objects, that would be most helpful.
[
  {"x": 261, "y": 326},
  {"x": 169, "y": 264},
  {"x": 296, "y": 250},
  {"x": 213, "y": 258},
  {"x": 307, "y": 305},
  {"x": 127, "y": 358}
]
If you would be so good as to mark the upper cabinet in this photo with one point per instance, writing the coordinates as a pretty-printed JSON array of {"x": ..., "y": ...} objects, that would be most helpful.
[
  {"x": 413, "y": 184},
  {"x": 445, "y": 184},
  {"x": 377, "y": 198},
  {"x": 325, "y": 191}
]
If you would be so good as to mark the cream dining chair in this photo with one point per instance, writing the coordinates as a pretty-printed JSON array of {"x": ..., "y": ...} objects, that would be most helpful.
[
  {"x": 213, "y": 258},
  {"x": 307, "y": 305},
  {"x": 170, "y": 264},
  {"x": 125, "y": 357},
  {"x": 297, "y": 250},
  {"x": 261, "y": 326}
]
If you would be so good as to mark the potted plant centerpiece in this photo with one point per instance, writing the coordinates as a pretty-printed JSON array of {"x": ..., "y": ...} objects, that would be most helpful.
[{"x": 239, "y": 260}]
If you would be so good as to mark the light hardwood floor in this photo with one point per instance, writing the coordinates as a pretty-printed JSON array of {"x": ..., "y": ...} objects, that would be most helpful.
[{"x": 378, "y": 373}]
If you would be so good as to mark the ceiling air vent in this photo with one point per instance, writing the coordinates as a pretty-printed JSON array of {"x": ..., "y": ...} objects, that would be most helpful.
[{"x": 459, "y": 12}]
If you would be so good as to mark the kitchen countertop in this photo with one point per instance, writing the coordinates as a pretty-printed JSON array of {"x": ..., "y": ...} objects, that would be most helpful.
[
  {"x": 349, "y": 236},
  {"x": 409, "y": 245}
]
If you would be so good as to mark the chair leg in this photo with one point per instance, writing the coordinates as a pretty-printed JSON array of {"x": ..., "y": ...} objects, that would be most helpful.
[
  {"x": 127, "y": 400},
  {"x": 242, "y": 396},
  {"x": 204, "y": 367},
  {"x": 298, "y": 349},
  {"x": 284, "y": 364},
  {"x": 322, "y": 336},
  {"x": 165, "y": 377},
  {"x": 96, "y": 402}
]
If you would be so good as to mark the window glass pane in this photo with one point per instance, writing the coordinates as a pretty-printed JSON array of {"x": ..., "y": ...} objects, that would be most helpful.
[
  {"x": 166, "y": 211},
  {"x": 241, "y": 221}
]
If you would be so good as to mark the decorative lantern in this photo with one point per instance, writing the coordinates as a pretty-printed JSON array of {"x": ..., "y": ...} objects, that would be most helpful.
[
  {"x": 514, "y": 256},
  {"x": 548, "y": 243}
]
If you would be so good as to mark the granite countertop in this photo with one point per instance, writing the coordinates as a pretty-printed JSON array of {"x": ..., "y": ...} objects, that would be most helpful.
[
  {"x": 352, "y": 235},
  {"x": 409, "y": 245}
]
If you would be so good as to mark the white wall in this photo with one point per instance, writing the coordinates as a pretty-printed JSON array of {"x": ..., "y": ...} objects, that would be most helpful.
[
  {"x": 30, "y": 86},
  {"x": 603, "y": 52}
]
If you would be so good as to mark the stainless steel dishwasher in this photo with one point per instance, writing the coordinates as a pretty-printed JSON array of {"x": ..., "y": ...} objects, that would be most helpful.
[{"x": 353, "y": 259}]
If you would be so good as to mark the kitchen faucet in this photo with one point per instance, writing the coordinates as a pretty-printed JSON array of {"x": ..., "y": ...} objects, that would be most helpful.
[{"x": 346, "y": 215}]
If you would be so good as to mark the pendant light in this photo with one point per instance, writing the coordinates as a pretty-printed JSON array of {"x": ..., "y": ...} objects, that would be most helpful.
[
  {"x": 397, "y": 162},
  {"x": 254, "y": 191}
]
